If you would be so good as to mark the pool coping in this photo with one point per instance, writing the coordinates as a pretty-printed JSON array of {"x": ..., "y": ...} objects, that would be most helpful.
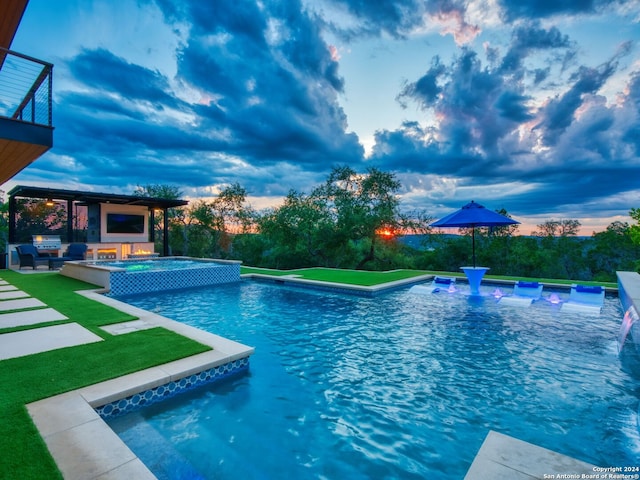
[
  {"x": 365, "y": 290},
  {"x": 79, "y": 440},
  {"x": 296, "y": 280}
]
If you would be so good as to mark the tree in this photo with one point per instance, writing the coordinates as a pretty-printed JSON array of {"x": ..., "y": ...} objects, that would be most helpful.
[
  {"x": 558, "y": 228},
  {"x": 169, "y": 192},
  {"x": 493, "y": 244},
  {"x": 174, "y": 215},
  {"x": 613, "y": 250},
  {"x": 207, "y": 228},
  {"x": 35, "y": 217},
  {"x": 299, "y": 232},
  {"x": 563, "y": 252},
  {"x": 232, "y": 216},
  {"x": 4, "y": 222},
  {"x": 634, "y": 230},
  {"x": 340, "y": 224},
  {"x": 362, "y": 206},
  {"x": 198, "y": 227}
]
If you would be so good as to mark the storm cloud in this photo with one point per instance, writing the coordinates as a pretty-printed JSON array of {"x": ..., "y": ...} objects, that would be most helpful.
[{"x": 507, "y": 104}]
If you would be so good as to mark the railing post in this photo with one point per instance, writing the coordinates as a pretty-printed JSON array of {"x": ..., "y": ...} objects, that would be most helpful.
[{"x": 50, "y": 96}]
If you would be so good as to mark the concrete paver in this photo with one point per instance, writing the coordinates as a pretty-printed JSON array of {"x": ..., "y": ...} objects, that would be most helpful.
[
  {"x": 30, "y": 317},
  {"x": 9, "y": 295},
  {"x": 27, "y": 342},
  {"x": 127, "y": 327},
  {"x": 20, "y": 304}
]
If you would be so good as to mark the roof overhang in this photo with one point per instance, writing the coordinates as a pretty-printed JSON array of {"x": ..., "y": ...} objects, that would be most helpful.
[
  {"x": 11, "y": 12},
  {"x": 94, "y": 197}
]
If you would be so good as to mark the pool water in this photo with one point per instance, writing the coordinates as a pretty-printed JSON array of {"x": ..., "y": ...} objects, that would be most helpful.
[
  {"x": 396, "y": 386},
  {"x": 155, "y": 265}
]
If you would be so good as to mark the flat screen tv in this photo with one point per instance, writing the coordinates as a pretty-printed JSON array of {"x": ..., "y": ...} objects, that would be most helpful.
[{"x": 125, "y": 223}]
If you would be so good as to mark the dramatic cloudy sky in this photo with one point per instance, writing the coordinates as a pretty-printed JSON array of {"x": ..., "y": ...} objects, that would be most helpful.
[{"x": 528, "y": 105}]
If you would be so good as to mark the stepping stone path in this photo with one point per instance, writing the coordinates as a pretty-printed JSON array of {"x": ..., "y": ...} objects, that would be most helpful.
[{"x": 18, "y": 308}]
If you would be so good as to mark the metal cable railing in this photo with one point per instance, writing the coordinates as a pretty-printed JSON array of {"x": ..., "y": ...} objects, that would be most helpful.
[{"x": 25, "y": 88}]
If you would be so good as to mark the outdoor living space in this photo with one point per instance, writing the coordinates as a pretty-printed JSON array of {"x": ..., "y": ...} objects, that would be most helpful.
[{"x": 124, "y": 350}]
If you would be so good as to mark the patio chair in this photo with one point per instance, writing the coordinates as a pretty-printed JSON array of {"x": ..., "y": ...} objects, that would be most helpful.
[
  {"x": 76, "y": 251},
  {"x": 30, "y": 257}
]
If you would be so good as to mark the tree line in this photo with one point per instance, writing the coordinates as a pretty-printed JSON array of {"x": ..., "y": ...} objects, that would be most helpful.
[{"x": 355, "y": 221}]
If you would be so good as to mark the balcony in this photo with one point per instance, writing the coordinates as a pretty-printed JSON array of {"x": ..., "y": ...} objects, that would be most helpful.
[{"x": 26, "y": 130}]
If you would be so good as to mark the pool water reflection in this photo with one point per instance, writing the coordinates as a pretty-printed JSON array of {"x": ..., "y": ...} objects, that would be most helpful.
[{"x": 395, "y": 386}]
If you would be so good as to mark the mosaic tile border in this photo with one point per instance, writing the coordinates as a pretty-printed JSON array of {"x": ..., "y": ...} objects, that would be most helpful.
[
  {"x": 171, "y": 389},
  {"x": 128, "y": 283}
]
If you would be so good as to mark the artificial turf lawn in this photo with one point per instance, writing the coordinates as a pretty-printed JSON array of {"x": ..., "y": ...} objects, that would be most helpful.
[
  {"x": 38, "y": 376},
  {"x": 369, "y": 278},
  {"x": 363, "y": 278}
]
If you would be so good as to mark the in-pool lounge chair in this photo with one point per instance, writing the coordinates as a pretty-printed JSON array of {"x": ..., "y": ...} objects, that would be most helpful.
[
  {"x": 524, "y": 293},
  {"x": 585, "y": 298},
  {"x": 30, "y": 257},
  {"x": 443, "y": 284},
  {"x": 439, "y": 284}
]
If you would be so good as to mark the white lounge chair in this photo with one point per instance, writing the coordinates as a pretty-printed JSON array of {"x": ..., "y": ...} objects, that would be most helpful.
[
  {"x": 585, "y": 298},
  {"x": 524, "y": 293},
  {"x": 438, "y": 284}
]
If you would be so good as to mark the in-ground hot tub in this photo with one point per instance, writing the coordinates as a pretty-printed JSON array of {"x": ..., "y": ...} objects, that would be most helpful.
[{"x": 128, "y": 277}]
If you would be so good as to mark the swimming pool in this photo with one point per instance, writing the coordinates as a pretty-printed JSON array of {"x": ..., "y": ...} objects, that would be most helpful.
[{"x": 395, "y": 386}]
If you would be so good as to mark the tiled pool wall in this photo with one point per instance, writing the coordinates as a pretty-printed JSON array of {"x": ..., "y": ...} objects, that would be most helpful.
[
  {"x": 171, "y": 389},
  {"x": 129, "y": 283},
  {"x": 629, "y": 294},
  {"x": 315, "y": 286}
]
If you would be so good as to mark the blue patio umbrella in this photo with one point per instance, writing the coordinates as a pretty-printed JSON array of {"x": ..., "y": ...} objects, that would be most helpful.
[{"x": 474, "y": 215}]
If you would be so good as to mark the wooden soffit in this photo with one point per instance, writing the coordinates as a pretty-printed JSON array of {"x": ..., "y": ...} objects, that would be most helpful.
[{"x": 11, "y": 12}]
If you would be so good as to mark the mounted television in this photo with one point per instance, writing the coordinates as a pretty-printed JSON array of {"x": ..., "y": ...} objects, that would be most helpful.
[{"x": 125, "y": 223}]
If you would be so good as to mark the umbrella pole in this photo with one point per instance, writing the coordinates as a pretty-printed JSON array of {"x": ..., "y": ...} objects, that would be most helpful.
[{"x": 473, "y": 243}]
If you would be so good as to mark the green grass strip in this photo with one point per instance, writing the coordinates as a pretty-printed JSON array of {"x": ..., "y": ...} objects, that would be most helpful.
[
  {"x": 350, "y": 277},
  {"x": 34, "y": 377},
  {"x": 368, "y": 278}
]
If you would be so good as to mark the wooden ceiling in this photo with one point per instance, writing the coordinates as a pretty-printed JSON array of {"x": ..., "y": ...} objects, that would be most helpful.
[
  {"x": 11, "y": 12},
  {"x": 14, "y": 156}
]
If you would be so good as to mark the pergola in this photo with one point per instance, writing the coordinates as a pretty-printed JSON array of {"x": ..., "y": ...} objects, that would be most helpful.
[{"x": 91, "y": 198}]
